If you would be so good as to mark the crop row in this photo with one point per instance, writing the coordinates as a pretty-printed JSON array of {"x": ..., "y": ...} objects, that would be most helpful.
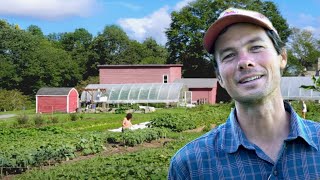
[{"x": 15, "y": 159}]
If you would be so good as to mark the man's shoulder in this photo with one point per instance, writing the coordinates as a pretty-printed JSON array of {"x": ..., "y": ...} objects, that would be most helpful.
[
  {"x": 314, "y": 126},
  {"x": 207, "y": 142}
]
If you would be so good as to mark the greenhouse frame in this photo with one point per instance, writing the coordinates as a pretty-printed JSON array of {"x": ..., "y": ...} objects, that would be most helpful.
[
  {"x": 136, "y": 93},
  {"x": 290, "y": 89}
]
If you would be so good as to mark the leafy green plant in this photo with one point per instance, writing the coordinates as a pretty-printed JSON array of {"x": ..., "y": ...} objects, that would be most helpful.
[
  {"x": 121, "y": 110},
  {"x": 23, "y": 119},
  {"x": 38, "y": 120},
  {"x": 175, "y": 122},
  {"x": 54, "y": 119},
  {"x": 73, "y": 116}
]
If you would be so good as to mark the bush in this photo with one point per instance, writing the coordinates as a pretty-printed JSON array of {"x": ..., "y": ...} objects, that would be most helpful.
[
  {"x": 38, "y": 120},
  {"x": 73, "y": 117},
  {"x": 23, "y": 119},
  {"x": 175, "y": 122},
  {"x": 121, "y": 110},
  {"x": 13, "y": 100},
  {"x": 54, "y": 119}
]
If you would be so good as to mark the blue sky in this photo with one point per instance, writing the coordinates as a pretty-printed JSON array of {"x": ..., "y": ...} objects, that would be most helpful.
[{"x": 139, "y": 18}]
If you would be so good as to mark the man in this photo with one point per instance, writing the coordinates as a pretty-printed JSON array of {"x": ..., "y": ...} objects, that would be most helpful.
[{"x": 263, "y": 137}]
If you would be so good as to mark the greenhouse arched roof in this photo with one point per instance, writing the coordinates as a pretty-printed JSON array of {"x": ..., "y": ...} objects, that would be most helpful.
[
  {"x": 133, "y": 93},
  {"x": 290, "y": 88}
]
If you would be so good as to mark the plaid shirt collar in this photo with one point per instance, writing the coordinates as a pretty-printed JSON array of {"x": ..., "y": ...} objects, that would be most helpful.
[{"x": 234, "y": 136}]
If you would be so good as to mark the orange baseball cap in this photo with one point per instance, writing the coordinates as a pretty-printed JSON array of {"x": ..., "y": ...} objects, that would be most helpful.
[{"x": 232, "y": 16}]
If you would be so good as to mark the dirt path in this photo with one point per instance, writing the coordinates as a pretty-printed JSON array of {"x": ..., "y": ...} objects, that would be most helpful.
[
  {"x": 111, "y": 150},
  {"x": 5, "y": 116}
]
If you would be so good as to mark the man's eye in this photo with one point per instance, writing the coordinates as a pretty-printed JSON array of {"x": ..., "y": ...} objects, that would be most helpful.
[
  {"x": 228, "y": 57},
  {"x": 256, "y": 48}
]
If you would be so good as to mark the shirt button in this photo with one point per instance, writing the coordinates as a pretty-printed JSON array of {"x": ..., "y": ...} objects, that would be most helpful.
[{"x": 275, "y": 173}]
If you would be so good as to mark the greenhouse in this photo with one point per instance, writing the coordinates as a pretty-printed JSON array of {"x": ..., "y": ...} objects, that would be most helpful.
[
  {"x": 290, "y": 89},
  {"x": 136, "y": 93}
]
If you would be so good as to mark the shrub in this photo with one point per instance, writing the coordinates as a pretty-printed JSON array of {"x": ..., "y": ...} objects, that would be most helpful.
[
  {"x": 54, "y": 119},
  {"x": 121, "y": 110},
  {"x": 13, "y": 100},
  {"x": 175, "y": 122},
  {"x": 23, "y": 119},
  {"x": 73, "y": 117},
  {"x": 38, "y": 120}
]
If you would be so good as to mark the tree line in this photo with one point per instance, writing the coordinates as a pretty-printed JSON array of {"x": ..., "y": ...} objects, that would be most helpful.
[{"x": 31, "y": 60}]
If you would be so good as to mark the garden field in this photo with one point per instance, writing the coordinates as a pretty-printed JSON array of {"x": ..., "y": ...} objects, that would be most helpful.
[{"x": 79, "y": 146}]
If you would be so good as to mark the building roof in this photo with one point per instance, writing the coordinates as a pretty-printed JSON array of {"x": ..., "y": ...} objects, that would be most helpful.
[
  {"x": 198, "y": 82},
  {"x": 139, "y": 65},
  {"x": 54, "y": 91}
]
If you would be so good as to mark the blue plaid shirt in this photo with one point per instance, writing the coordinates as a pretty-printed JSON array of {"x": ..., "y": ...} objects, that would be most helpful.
[{"x": 226, "y": 153}]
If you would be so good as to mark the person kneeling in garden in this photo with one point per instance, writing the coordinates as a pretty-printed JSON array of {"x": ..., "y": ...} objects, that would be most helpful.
[{"x": 126, "y": 123}]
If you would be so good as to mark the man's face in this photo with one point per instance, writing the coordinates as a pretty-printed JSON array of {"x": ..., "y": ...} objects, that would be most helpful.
[{"x": 249, "y": 66}]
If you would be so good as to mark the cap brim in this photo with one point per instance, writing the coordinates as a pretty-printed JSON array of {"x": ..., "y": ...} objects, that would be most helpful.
[{"x": 215, "y": 29}]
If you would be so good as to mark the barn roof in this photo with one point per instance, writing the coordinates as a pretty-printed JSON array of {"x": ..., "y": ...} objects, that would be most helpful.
[
  {"x": 139, "y": 65},
  {"x": 54, "y": 91},
  {"x": 198, "y": 82}
]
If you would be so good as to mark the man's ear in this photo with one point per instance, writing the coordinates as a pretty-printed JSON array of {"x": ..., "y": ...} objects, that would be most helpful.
[
  {"x": 220, "y": 81},
  {"x": 283, "y": 60}
]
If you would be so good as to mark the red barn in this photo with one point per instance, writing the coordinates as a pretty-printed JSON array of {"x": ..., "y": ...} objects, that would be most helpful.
[
  {"x": 50, "y": 100},
  {"x": 204, "y": 90},
  {"x": 142, "y": 73}
]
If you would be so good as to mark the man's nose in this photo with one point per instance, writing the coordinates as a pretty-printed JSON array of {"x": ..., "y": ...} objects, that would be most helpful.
[{"x": 245, "y": 61}]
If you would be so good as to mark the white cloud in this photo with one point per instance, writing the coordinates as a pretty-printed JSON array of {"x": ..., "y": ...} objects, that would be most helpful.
[
  {"x": 308, "y": 22},
  {"x": 47, "y": 9},
  {"x": 181, "y": 4},
  {"x": 153, "y": 25},
  {"x": 124, "y": 4},
  {"x": 314, "y": 30}
]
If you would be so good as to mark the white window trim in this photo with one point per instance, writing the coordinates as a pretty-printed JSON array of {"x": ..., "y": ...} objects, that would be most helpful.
[{"x": 163, "y": 78}]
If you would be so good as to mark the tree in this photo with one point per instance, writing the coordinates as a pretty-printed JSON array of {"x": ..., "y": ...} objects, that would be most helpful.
[
  {"x": 77, "y": 44},
  {"x": 80, "y": 38},
  {"x": 13, "y": 100},
  {"x": 35, "y": 30},
  {"x": 304, "y": 51},
  {"x": 29, "y": 62},
  {"x": 186, "y": 31},
  {"x": 154, "y": 53},
  {"x": 109, "y": 47}
]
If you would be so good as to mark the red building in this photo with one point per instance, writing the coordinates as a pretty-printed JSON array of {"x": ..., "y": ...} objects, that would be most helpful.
[
  {"x": 204, "y": 90},
  {"x": 148, "y": 73},
  {"x": 50, "y": 100}
]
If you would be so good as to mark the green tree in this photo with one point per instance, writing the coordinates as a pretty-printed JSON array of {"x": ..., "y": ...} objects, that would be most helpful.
[
  {"x": 51, "y": 67},
  {"x": 304, "y": 51},
  {"x": 29, "y": 62},
  {"x": 154, "y": 53},
  {"x": 13, "y": 100},
  {"x": 15, "y": 49},
  {"x": 186, "y": 31},
  {"x": 35, "y": 30},
  {"x": 78, "y": 44},
  {"x": 108, "y": 47}
]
